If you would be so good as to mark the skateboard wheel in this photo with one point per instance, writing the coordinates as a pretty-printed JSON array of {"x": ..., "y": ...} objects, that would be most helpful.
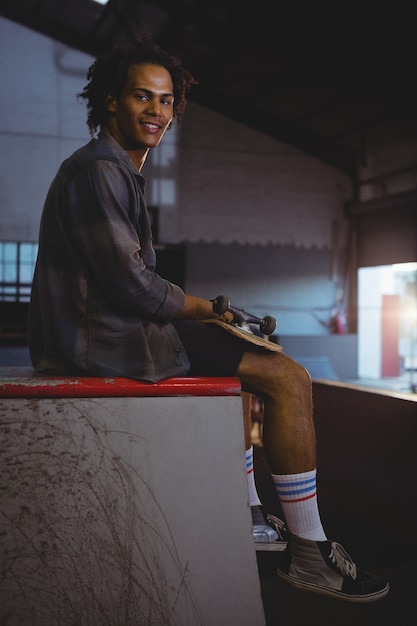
[
  {"x": 221, "y": 305},
  {"x": 268, "y": 325}
]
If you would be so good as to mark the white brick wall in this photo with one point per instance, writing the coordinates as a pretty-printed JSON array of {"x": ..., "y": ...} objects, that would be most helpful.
[
  {"x": 41, "y": 122},
  {"x": 237, "y": 184}
]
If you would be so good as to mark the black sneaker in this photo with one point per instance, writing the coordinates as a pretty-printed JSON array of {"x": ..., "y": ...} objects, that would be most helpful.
[
  {"x": 325, "y": 567},
  {"x": 269, "y": 534}
]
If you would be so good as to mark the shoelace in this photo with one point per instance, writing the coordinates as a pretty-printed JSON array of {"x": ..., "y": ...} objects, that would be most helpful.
[
  {"x": 278, "y": 525},
  {"x": 344, "y": 563}
]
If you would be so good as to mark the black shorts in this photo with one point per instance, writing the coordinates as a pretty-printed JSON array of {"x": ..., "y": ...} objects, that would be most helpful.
[{"x": 211, "y": 350}]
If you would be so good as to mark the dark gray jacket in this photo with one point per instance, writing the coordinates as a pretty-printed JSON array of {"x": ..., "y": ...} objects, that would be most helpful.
[{"x": 97, "y": 306}]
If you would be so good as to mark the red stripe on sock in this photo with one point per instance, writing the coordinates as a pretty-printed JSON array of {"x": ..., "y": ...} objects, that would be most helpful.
[{"x": 299, "y": 499}]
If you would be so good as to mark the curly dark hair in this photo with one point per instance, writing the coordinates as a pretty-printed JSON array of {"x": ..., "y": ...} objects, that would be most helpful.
[{"x": 108, "y": 75}]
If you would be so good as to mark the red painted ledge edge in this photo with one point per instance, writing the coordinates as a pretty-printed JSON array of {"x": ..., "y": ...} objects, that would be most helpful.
[{"x": 25, "y": 383}]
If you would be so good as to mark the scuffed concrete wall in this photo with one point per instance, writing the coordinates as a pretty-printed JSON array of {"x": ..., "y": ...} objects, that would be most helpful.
[{"x": 111, "y": 514}]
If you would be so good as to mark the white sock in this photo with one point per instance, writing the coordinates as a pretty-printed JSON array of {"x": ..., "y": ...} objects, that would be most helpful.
[
  {"x": 253, "y": 494},
  {"x": 298, "y": 498}
]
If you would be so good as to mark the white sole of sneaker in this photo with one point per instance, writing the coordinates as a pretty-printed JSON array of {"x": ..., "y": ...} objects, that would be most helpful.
[
  {"x": 278, "y": 546},
  {"x": 332, "y": 593}
]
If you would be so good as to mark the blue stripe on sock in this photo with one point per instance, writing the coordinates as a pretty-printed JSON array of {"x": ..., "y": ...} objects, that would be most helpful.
[
  {"x": 296, "y": 488},
  {"x": 249, "y": 460},
  {"x": 296, "y": 492}
]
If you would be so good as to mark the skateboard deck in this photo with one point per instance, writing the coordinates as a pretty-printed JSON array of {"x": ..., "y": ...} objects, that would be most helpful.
[{"x": 246, "y": 335}]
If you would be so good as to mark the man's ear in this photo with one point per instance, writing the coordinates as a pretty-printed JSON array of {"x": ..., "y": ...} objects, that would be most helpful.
[{"x": 111, "y": 103}]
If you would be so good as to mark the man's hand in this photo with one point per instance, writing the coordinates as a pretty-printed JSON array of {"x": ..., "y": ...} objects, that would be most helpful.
[
  {"x": 200, "y": 309},
  {"x": 226, "y": 317},
  {"x": 195, "y": 308}
]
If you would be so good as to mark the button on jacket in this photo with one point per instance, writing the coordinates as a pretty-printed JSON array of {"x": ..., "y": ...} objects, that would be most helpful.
[{"x": 97, "y": 305}]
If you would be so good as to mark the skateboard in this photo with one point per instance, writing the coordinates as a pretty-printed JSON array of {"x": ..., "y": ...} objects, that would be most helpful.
[{"x": 239, "y": 326}]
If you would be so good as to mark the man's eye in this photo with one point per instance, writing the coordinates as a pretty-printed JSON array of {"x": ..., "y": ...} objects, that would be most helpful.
[{"x": 141, "y": 96}]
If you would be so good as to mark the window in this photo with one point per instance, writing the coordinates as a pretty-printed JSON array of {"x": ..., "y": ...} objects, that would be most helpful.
[
  {"x": 17, "y": 264},
  {"x": 387, "y": 328}
]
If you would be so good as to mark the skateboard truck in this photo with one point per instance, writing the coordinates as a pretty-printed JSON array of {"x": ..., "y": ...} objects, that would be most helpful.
[{"x": 242, "y": 318}]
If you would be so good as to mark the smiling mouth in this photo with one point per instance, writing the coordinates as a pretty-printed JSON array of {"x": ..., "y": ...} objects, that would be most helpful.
[{"x": 150, "y": 126}]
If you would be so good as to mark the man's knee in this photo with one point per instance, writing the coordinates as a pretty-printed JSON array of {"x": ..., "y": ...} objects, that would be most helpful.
[{"x": 272, "y": 371}]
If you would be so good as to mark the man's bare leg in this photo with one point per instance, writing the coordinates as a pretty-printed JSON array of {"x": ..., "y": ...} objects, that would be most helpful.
[
  {"x": 288, "y": 435},
  {"x": 288, "y": 429},
  {"x": 253, "y": 493},
  {"x": 264, "y": 535},
  {"x": 246, "y": 406},
  {"x": 310, "y": 562}
]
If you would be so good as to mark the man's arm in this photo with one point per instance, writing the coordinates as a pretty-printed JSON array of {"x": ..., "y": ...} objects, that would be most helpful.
[{"x": 195, "y": 308}]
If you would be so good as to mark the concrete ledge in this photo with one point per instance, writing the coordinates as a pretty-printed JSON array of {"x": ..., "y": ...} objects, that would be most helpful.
[{"x": 125, "y": 510}]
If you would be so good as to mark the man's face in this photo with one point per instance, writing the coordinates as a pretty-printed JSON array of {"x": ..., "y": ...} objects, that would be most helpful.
[{"x": 142, "y": 114}]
